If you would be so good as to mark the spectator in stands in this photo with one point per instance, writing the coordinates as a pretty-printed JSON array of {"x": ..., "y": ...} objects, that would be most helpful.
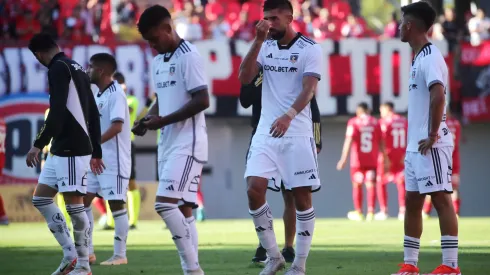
[
  {"x": 220, "y": 28},
  {"x": 126, "y": 11},
  {"x": 392, "y": 28},
  {"x": 75, "y": 26},
  {"x": 479, "y": 27},
  {"x": 189, "y": 29},
  {"x": 243, "y": 29},
  {"x": 450, "y": 28},
  {"x": 323, "y": 28},
  {"x": 352, "y": 28},
  {"x": 27, "y": 26},
  {"x": 49, "y": 16},
  {"x": 437, "y": 29}
]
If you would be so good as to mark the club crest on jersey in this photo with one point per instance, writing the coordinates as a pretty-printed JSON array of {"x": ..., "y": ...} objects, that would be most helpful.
[
  {"x": 414, "y": 72},
  {"x": 101, "y": 104},
  {"x": 293, "y": 58},
  {"x": 171, "y": 70}
]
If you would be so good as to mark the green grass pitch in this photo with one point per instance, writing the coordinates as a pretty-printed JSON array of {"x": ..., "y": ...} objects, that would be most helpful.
[{"x": 340, "y": 247}]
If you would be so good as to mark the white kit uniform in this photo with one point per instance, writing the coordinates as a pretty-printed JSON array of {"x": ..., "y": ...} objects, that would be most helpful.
[
  {"x": 431, "y": 172},
  {"x": 182, "y": 146},
  {"x": 113, "y": 183},
  {"x": 292, "y": 157}
]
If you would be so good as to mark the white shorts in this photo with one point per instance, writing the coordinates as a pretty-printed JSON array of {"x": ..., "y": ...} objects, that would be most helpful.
[
  {"x": 429, "y": 173},
  {"x": 294, "y": 159},
  {"x": 66, "y": 174},
  {"x": 109, "y": 187},
  {"x": 179, "y": 178}
]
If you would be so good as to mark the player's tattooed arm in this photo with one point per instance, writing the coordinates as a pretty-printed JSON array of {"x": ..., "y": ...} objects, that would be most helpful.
[
  {"x": 436, "y": 112},
  {"x": 139, "y": 128},
  {"x": 250, "y": 66},
  {"x": 198, "y": 103}
]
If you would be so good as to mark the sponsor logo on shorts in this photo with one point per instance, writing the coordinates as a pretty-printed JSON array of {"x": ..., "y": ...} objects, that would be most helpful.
[
  {"x": 312, "y": 177},
  {"x": 304, "y": 172},
  {"x": 168, "y": 180},
  {"x": 426, "y": 178},
  {"x": 429, "y": 184}
]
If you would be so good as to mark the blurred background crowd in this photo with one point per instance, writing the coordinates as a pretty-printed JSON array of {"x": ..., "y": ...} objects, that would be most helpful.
[{"x": 84, "y": 21}]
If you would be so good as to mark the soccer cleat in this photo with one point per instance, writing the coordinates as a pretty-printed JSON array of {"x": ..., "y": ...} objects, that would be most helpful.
[
  {"x": 425, "y": 216},
  {"x": 200, "y": 214},
  {"x": 355, "y": 216},
  {"x": 445, "y": 270},
  {"x": 295, "y": 270},
  {"x": 194, "y": 272},
  {"x": 407, "y": 269},
  {"x": 370, "y": 217},
  {"x": 65, "y": 267},
  {"x": 273, "y": 266},
  {"x": 107, "y": 227},
  {"x": 381, "y": 216},
  {"x": 260, "y": 255},
  {"x": 401, "y": 216},
  {"x": 102, "y": 220},
  {"x": 288, "y": 254},
  {"x": 115, "y": 260},
  {"x": 92, "y": 259},
  {"x": 132, "y": 227},
  {"x": 80, "y": 270}
]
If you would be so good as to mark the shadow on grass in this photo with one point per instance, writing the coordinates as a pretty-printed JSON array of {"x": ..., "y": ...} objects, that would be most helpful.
[{"x": 234, "y": 259}]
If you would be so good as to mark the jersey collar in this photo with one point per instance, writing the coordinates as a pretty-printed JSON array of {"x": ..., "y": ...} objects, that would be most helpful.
[
  {"x": 56, "y": 57},
  {"x": 105, "y": 89},
  {"x": 421, "y": 50},
  {"x": 168, "y": 55},
  {"x": 291, "y": 43}
]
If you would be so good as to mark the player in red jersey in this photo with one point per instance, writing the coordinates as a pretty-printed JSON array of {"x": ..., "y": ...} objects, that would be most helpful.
[
  {"x": 3, "y": 134},
  {"x": 364, "y": 136},
  {"x": 455, "y": 129},
  {"x": 394, "y": 134}
]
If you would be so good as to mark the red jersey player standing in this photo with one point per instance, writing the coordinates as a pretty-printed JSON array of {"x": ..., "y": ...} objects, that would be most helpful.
[
  {"x": 3, "y": 133},
  {"x": 455, "y": 129},
  {"x": 394, "y": 134},
  {"x": 364, "y": 136}
]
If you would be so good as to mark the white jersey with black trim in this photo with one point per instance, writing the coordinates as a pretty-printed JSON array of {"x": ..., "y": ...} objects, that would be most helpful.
[
  {"x": 284, "y": 67},
  {"x": 116, "y": 152},
  {"x": 428, "y": 68},
  {"x": 176, "y": 75}
]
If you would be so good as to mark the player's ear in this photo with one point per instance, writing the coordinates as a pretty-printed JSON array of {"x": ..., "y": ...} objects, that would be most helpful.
[{"x": 290, "y": 18}]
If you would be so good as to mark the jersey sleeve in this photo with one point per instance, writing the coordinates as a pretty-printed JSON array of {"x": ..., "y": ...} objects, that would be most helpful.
[
  {"x": 351, "y": 129},
  {"x": 59, "y": 77},
  {"x": 193, "y": 73},
  {"x": 313, "y": 62},
  {"x": 117, "y": 105},
  {"x": 434, "y": 70}
]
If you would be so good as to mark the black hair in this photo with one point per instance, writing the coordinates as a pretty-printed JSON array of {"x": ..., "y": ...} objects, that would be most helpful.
[
  {"x": 106, "y": 60},
  {"x": 42, "y": 42},
  {"x": 364, "y": 106},
  {"x": 152, "y": 17},
  {"x": 389, "y": 104},
  {"x": 278, "y": 4},
  {"x": 119, "y": 77},
  {"x": 422, "y": 11}
]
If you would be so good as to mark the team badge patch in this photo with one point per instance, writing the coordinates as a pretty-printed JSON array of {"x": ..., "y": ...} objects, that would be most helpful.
[
  {"x": 293, "y": 58},
  {"x": 413, "y": 74},
  {"x": 172, "y": 70}
]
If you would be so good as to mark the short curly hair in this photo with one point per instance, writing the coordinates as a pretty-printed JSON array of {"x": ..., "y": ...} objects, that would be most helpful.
[
  {"x": 278, "y": 4},
  {"x": 152, "y": 17}
]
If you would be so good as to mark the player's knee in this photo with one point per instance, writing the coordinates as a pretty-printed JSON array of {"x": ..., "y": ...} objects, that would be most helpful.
[
  {"x": 256, "y": 188},
  {"x": 41, "y": 202},
  {"x": 441, "y": 201},
  {"x": 116, "y": 205},
  {"x": 288, "y": 199},
  {"x": 414, "y": 201}
]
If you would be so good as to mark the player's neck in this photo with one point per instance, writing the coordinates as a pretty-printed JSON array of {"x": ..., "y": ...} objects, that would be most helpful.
[
  {"x": 418, "y": 43},
  {"x": 175, "y": 42},
  {"x": 104, "y": 83},
  {"x": 288, "y": 37}
]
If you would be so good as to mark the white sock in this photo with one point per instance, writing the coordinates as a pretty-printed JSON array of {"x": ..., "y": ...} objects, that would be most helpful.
[
  {"x": 56, "y": 224},
  {"x": 181, "y": 235},
  {"x": 305, "y": 226},
  {"x": 449, "y": 245},
  {"x": 90, "y": 216},
  {"x": 264, "y": 227},
  {"x": 81, "y": 228},
  {"x": 121, "y": 228},
  {"x": 411, "y": 247},
  {"x": 194, "y": 235}
]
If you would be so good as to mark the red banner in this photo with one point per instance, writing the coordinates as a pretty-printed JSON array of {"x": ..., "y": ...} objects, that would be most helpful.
[
  {"x": 477, "y": 109},
  {"x": 356, "y": 68}
]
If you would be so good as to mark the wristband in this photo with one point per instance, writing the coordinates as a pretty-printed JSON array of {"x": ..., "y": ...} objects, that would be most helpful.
[{"x": 291, "y": 113}]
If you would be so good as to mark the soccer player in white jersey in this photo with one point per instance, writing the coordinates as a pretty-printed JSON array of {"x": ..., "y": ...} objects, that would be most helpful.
[
  {"x": 428, "y": 161},
  {"x": 181, "y": 85},
  {"x": 112, "y": 184},
  {"x": 283, "y": 144}
]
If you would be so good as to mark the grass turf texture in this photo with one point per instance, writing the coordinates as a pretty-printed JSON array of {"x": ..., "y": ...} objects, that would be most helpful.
[{"x": 340, "y": 247}]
